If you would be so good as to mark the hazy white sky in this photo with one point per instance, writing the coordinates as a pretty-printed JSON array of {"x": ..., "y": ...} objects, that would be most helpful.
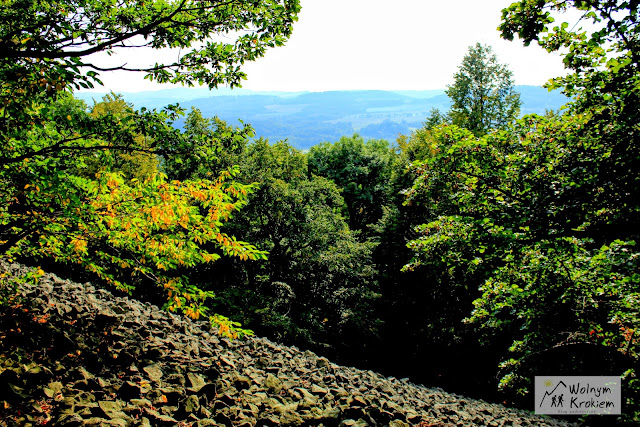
[{"x": 377, "y": 44}]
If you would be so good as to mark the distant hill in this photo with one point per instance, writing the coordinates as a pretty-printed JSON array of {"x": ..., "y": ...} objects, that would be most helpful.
[{"x": 308, "y": 118}]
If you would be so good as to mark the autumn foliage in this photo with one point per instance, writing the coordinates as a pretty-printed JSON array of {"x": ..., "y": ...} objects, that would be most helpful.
[{"x": 85, "y": 186}]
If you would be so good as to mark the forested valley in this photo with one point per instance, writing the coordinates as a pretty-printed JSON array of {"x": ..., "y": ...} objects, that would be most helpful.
[{"x": 472, "y": 254}]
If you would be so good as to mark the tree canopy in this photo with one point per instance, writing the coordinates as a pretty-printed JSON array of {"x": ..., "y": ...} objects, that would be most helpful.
[
  {"x": 58, "y": 38},
  {"x": 512, "y": 241},
  {"x": 542, "y": 215},
  {"x": 67, "y": 192},
  {"x": 482, "y": 95},
  {"x": 362, "y": 169}
]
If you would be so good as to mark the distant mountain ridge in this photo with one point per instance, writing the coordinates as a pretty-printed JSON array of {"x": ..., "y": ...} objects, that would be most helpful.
[{"x": 308, "y": 118}]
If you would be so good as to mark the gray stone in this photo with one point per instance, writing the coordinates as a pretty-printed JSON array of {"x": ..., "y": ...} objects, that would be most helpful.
[
  {"x": 191, "y": 404},
  {"x": 154, "y": 372},
  {"x": 197, "y": 381},
  {"x": 232, "y": 381},
  {"x": 273, "y": 384}
]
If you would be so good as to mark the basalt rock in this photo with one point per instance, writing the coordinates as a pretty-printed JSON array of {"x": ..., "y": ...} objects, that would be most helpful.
[{"x": 73, "y": 354}]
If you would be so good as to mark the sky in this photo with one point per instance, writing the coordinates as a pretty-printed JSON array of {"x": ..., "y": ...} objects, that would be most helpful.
[{"x": 375, "y": 45}]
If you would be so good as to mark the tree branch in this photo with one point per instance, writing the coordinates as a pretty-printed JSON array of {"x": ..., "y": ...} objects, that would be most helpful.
[
  {"x": 59, "y": 53},
  {"x": 99, "y": 47},
  {"x": 58, "y": 147}
]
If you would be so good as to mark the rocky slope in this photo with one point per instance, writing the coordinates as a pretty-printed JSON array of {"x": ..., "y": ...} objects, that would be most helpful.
[{"x": 73, "y": 354}]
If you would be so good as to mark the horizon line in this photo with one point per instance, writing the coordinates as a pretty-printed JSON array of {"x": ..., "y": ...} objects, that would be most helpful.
[{"x": 105, "y": 90}]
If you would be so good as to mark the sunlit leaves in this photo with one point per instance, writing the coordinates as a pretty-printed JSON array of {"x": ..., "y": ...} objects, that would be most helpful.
[
  {"x": 531, "y": 216},
  {"x": 586, "y": 291},
  {"x": 83, "y": 188},
  {"x": 482, "y": 95},
  {"x": 601, "y": 48},
  {"x": 71, "y": 31},
  {"x": 148, "y": 228},
  {"x": 213, "y": 146}
]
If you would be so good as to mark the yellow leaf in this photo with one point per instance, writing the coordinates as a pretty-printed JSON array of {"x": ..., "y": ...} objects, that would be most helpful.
[{"x": 79, "y": 245}]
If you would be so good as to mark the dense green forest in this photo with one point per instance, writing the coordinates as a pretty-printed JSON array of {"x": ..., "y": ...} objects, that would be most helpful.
[{"x": 473, "y": 253}]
